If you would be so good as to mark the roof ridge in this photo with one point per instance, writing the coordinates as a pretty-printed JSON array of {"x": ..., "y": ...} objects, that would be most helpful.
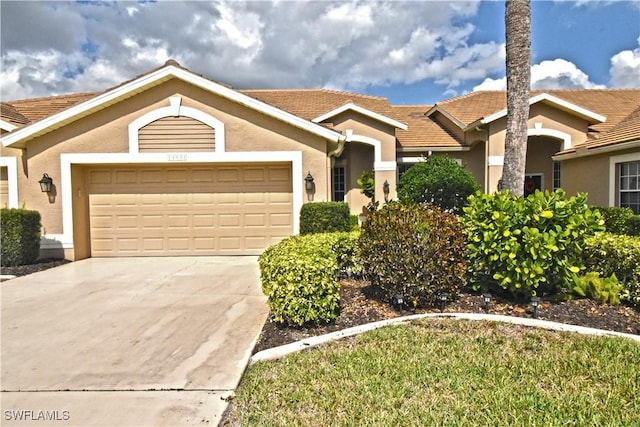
[
  {"x": 51, "y": 97},
  {"x": 340, "y": 92}
]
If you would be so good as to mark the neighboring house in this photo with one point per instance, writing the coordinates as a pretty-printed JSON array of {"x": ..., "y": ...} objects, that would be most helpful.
[{"x": 173, "y": 163}]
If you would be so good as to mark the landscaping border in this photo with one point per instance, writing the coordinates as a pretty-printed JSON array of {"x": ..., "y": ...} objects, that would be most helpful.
[{"x": 284, "y": 350}]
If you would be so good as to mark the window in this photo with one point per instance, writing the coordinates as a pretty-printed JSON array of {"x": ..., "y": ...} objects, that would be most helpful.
[
  {"x": 629, "y": 185},
  {"x": 338, "y": 184},
  {"x": 532, "y": 183},
  {"x": 556, "y": 175}
]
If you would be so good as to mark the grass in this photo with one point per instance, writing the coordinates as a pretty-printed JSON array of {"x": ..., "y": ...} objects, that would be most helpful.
[{"x": 448, "y": 372}]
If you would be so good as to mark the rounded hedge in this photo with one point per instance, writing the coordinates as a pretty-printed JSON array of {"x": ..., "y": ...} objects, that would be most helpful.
[{"x": 439, "y": 180}]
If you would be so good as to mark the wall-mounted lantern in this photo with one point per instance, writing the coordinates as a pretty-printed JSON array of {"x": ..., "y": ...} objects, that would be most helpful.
[
  {"x": 45, "y": 183},
  {"x": 385, "y": 189},
  {"x": 309, "y": 185}
]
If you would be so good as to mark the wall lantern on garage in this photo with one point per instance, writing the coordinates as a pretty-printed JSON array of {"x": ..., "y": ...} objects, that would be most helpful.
[
  {"x": 310, "y": 186},
  {"x": 45, "y": 183},
  {"x": 385, "y": 189}
]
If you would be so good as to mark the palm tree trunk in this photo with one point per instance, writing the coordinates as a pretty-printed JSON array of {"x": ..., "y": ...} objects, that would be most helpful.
[{"x": 518, "y": 64}]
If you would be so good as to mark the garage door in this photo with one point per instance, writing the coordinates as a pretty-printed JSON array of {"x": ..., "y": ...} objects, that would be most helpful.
[
  {"x": 4, "y": 187},
  {"x": 189, "y": 210}
]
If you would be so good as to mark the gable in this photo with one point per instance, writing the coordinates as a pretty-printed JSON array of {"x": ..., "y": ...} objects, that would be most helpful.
[{"x": 171, "y": 71}]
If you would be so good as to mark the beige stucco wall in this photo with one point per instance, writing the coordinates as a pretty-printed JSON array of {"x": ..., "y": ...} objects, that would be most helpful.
[
  {"x": 539, "y": 152},
  {"x": 361, "y": 156},
  {"x": 590, "y": 174},
  {"x": 541, "y": 116},
  {"x": 107, "y": 132}
]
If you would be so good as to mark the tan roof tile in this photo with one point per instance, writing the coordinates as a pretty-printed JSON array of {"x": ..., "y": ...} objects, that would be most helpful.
[
  {"x": 10, "y": 114},
  {"x": 38, "y": 108},
  {"x": 423, "y": 131},
  {"x": 614, "y": 104}
]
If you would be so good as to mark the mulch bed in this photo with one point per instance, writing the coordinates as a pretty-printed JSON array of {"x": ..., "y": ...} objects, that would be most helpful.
[
  {"x": 358, "y": 305},
  {"x": 23, "y": 270}
]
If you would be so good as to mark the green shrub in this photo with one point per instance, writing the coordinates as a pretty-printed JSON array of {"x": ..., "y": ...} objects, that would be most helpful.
[
  {"x": 300, "y": 276},
  {"x": 346, "y": 251},
  {"x": 633, "y": 226},
  {"x": 20, "y": 234},
  {"x": 609, "y": 254},
  {"x": 354, "y": 223},
  {"x": 324, "y": 217},
  {"x": 414, "y": 250},
  {"x": 440, "y": 181},
  {"x": 602, "y": 289},
  {"x": 616, "y": 220},
  {"x": 527, "y": 245}
]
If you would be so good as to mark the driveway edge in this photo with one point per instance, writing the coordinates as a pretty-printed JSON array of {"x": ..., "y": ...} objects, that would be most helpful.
[{"x": 281, "y": 351}]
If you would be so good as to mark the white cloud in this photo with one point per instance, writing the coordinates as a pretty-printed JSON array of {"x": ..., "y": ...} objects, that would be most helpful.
[
  {"x": 556, "y": 74},
  {"x": 346, "y": 45},
  {"x": 625, "y": 68}
]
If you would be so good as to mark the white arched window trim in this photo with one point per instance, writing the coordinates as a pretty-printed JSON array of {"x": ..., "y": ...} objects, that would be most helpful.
[
  {"x": 175, "y": 109},
  {"x": 538, "y": 130},
  {"x": 378, "y": 164}
]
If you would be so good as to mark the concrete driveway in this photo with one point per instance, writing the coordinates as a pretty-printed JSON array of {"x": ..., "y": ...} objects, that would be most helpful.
[{"x": 128, "y": 341}]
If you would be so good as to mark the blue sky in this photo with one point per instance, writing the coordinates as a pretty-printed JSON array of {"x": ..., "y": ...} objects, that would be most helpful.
[{"x": 415, "y": 52}]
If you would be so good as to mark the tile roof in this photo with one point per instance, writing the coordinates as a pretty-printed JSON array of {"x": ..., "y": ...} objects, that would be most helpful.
[
  {"x": 423, "y": 131},
  {"x": 11, "y": 114},
  {"x": 38, "y": 108},
  {"x": 312, "y": 103},
  {"x": 626, "y": 130},
  {"x": 614, "y": 104}
]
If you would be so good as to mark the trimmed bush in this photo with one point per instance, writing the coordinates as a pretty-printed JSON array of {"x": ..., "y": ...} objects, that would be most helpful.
[
  {"x": 20, "y": 234},
  {"x": 609, "y": 254},
  {"x": 300, "y": 276},
  {"x": 324, "y": 217},
  {"x": 616, "y": 220},
  {"x": 527, "y": 246},
  {"x": 604, "y": 290},
  {"x": 439, "y": 180},
  {"x": 414, "y": 250},
  {"x": 634, "y": 226}
]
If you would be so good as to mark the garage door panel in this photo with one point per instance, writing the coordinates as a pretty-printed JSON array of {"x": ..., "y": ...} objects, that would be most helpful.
[{"x": 201, "y": 209}]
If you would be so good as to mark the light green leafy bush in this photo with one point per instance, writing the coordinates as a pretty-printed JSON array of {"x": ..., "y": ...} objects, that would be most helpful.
[
  {"x": 414, "y": 250},
  {"x": 527, "y": 246},
  {"x": 609, "y": 254},
  {"x": 605, "y": 290},
  {"x": 300, "y": 276}
]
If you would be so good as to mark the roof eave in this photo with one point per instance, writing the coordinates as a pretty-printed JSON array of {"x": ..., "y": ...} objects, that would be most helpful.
[
  {"x": 366, "y": 112},
  {"x": 560, "y": 104},
  {"x": 18, "y": 138},
  {"x": 597, "y": 150}
]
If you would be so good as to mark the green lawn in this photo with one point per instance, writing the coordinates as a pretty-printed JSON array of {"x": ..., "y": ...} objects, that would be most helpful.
[{"x": 448, "y": 372}]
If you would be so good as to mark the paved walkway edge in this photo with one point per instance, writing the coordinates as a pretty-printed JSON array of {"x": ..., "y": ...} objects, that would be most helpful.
[{"x": 279, "y": 352}]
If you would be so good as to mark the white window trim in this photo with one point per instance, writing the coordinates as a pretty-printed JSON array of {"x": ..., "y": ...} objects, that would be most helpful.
[
  {"x": 174, "y": 110},
  {"x": 538, "y": 130},
  {"x": 540, "y": 174},
  {"x": 11, "y": 163},
  {"x": 164, "y": 159},
  {"x": 378, "y": 164},
  {"x": 613, "y": 160}
]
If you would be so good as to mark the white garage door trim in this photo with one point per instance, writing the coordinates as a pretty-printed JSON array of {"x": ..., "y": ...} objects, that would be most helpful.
[
  {"x": 66, "y": 160},
  {"x": 11, "y": 163}
]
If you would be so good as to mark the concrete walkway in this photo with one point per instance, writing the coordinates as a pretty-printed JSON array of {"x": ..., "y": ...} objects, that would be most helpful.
[{"x": 128, "y": 341}]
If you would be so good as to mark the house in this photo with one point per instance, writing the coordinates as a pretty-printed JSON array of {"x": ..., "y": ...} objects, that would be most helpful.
[{"x": 174, "y": 163}]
